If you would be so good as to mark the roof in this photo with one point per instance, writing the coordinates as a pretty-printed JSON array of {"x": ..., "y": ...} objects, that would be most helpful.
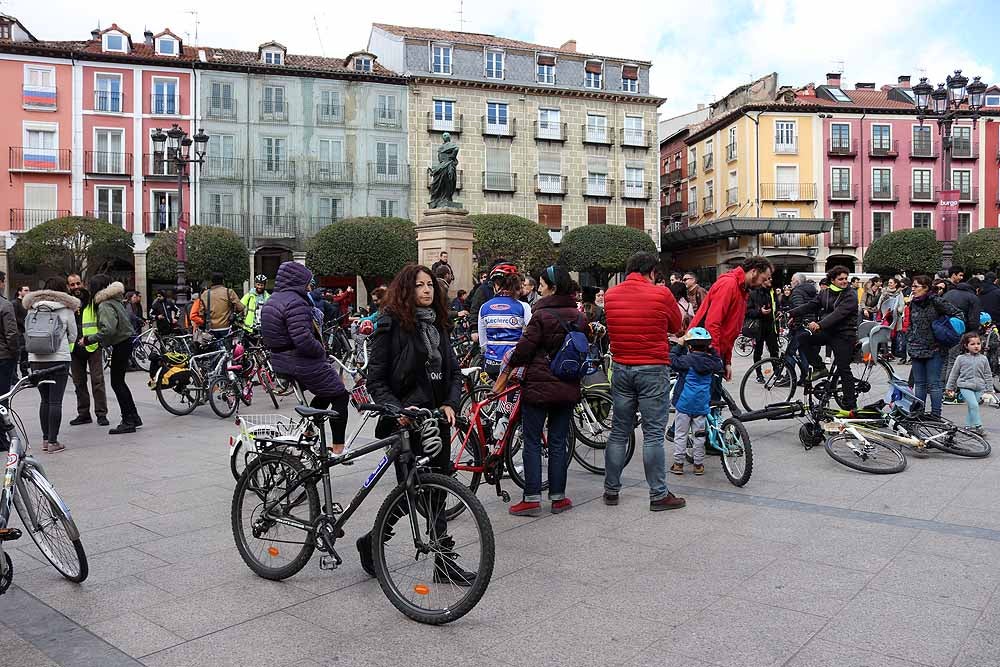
[
  {"x": 14, "y": 19},
  {"x": 292, "y": 61},
  {"x": 484, "y": 39},
  {"x": 138, "y": 50},
  {"x": 114, "y": 28}
]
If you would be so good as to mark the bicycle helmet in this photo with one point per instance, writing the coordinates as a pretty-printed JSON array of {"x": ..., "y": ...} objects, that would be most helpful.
[
  {"x": 698, "y": 333},
  {"x": 502, "y": 271},
  {"x": 366, "y": 328},
  {"x": 985, "y": 318},
  {"x": 260, "y": 278}
]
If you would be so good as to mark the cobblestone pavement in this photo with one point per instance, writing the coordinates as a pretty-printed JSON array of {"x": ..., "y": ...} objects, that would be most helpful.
[{"x": 809, "y": 565}]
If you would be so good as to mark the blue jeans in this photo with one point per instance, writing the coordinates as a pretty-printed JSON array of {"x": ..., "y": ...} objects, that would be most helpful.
[
  {"x": 532, "y": 420},
  {"x": 972, "y": 405},
  {"x": 927, "y": 378},
  {"x": 646, "y": 389}
]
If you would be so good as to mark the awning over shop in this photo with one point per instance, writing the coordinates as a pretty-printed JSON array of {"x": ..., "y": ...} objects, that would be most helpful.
[{"x": 735, "y": 226}]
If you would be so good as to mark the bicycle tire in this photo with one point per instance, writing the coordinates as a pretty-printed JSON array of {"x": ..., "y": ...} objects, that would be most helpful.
[
  {"x": 383, "y": 532},
  {"x": 54, "y": 527},
  {"x": 223, "y": 396},
  {"x": 473, "y": 458},
  {"x": 772, "y": 370},
  {"x": 267, "y": 474},
  {"x": 737, "y": 447},
  {"x": 267, "y": 381},
  {"x": 968, "y": 444},
  {"x": 880, "y": 459},
  {"x": 192, "y": 395},
  {"x": 743, "y": 346},
  {"x": 140, "y": 355},
  {"x": 478, "y": 394},
  {"x": 512, "y": 455},
  {"x": 586, "y": 446}
]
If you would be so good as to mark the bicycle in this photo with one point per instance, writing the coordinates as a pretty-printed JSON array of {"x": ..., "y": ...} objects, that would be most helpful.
[
  {"x": 423, "y": 571},
  {"x": 743, "y": 345},
  {"x": 726, "y": 437},
  {"x": 43, "y": 513},
  {"x": 592, "y": 420},
  {"x": 189, "y": 381}
]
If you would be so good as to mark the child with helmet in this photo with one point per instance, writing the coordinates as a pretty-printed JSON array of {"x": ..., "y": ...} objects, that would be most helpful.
[{"x": 692, "y": 395}]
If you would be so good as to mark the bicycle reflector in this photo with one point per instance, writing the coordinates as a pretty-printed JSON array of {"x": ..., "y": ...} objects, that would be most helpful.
[
  {"x": 273, "y": 552},
  {"x": 421, "y": 589}
]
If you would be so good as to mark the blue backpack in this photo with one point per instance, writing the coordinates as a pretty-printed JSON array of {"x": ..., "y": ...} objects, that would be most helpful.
[
  {"x": 948, "y": 330},
  {"x": 569, "y": 364}
]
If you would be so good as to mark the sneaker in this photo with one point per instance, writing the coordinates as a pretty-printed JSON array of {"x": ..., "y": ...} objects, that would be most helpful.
[
  {"x": 45, "y": 445},
  {"x": 124, "y": 427},
  {"x": 56, "y": 447},
  {"x": 978, "y": 430},
  {"x": 610, "y": 498},
  {"x": 951, "y": 401},
  {"x": 699, "y": 469},
  {"x": 562, "y": 505},
  {"x": 364, "y": 545},
  {"x": 668, "y": 502},
  {"x": 525, "y": 508},
  {"x": 81, "y": 420},
  {"x": 103, "y": 421},
  {"x": 677, "y": 468},
  {"x": 760, "y": 379}
]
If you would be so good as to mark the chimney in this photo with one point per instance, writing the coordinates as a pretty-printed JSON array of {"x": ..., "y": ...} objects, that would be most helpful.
[
  {"x": 833, "y": 79},
  {"x": 148, "y": 34},
  {"x": 568, "y": 46},
  {"x": 904, "y": 80},
  {"x": 95, "y": 33},
  {"x": 867, "y": 85}
]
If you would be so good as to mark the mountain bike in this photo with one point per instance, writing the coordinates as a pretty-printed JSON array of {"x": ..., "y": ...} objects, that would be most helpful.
[
  {"x": 592, "y": 420},
  {"x": 432, "y": 569},
  {"x": 184, "y": 386},
  {"x": 43, "y": 513}
]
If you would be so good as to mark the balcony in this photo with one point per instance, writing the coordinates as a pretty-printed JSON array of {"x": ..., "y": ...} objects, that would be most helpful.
[
  {"x": 692, "y": 168},
  {"x": 38, "y": 98},
  {"x": 329, "y": 114},
  {"x": 600, "y": 187},
  {"x": 154, "y": 222},
  {"x": 452, "y": 125},
  {"x": 675, "y": 176},
  {"x": 964, "y": 149},
  {"x": 107, "y": 101},
  {"x": 273, "y": 227},
  {"x": 222, "y": 169},
  {"x": 549, "y": 131},
  {"x": 884, "y": 193},
  {"x": 597, "y": 135},
  {"x": 708, "y": 203},
  {"x": 636, "y": 189},
  {"x": 388, "y": 117},
  {"x": 840, "y": 236},
  {"x": 789, "y": 147},
  {"x": 788, "y": 240},
  {"x": 116, "y": 218},
  {"x": 921, "y": 194},
  {"x": 675, "y": 208},
  {"x": 45, "y": 160},
  {"x": 883, "y": 148},
  {"x": 310, "y": 227},
  {"x": 552, "y": 185},
  {"x": 331, "y": 173},
  {"x": 841, "y": 147},
  {"x": 731, "y": 152},
  {"x": 732, "y": 196},
  {"x": 388, "y": 173},
  {"x": 23, "y": 219},
  {"x": 843, "y": 192},
  {"x": 966, "y": 195},
  {"x": 270, "y": 170},
  {"x": 632, "y": 137},
  {"x": 922, "y": 150},
  {"x": 100, "y": 163},
  {"x": 499, "y": 181},
  {"x": 692, "y": 209},
  {"x": 708, "y": 162},
  {"x": 788, "y": 191},
  {"x": 234, "y": 222},
  {"x": 156, "y": 167},
  {"x": 459, "y": 179},
  {"x": 273, "y": 111},
  {"x": 164, "y": 104},
  {"x": 508, "y": 128},
  {"x": 220, "y": 108}
]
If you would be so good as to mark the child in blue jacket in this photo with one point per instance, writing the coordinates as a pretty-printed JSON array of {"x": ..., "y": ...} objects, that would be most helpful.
[{"x": 692, "y": 395}]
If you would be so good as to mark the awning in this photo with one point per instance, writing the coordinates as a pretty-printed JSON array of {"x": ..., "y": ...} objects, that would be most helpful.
[{"x": 725, "y": 228}]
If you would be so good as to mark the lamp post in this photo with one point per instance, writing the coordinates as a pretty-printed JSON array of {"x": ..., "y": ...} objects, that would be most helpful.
[
  {"x": 178, "y": 153},
  {"x": 953, "y": 100}
]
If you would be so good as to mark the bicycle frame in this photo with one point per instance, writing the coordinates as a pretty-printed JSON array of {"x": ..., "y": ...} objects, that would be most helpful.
[{"x": 476, "y": 425}]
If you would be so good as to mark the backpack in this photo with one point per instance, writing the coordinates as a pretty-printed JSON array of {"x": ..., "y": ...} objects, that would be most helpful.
[
  {"x": 43, "y": 330},
  {"x": 948, "y": 330},
  {"x": 569, "y": 364}
]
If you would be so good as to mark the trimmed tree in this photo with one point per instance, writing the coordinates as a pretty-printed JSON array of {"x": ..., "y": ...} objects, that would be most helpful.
[
  {"x": 520, "y": 240},
  {"x": 979, "y": 251},
  {"x": 373, "y": 248},
  {"x": 209, "y": 249},
  {"x": 914, "y": 251},
  {"x": 74, "y": 244},
  {"x": 602, "y": 250}
]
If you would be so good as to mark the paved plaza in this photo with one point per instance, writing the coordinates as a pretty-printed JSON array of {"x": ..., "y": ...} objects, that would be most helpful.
[{"x": 810, "y": 565}]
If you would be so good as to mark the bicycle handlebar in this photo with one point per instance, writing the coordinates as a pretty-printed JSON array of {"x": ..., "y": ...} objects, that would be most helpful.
[
  {"x": 31, "y": 380},
  {"x": 417, "y": 414}
]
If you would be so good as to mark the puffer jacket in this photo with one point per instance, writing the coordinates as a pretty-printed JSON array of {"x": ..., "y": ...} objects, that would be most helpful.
[
  {"x": 65, "y": 306},
  {"x": 723, "y": 310},
  {"x": 989, "y": 299},
  {"x": 693, "y": 391},
  {"x": 640, "y": 316},
  {"x": 802, "y": 294},
  {"x": 963, "y": 297},
  {"x": 541, "y": 340},
  {"x": 837, "y": 312},
  {"x": 290, "y": 332},
  {"x": 113, "y": 323},
  {"x": 920, "y": 343}
]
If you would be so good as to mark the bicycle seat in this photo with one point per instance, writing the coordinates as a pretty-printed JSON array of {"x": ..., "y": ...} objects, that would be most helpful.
[
  {"x": 306, "y": 411},
  {"x": 471, "y": 372}
]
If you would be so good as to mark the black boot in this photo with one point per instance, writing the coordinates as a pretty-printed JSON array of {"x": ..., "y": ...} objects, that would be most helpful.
[
  {"x": 135, "y": 420},
  {"x": 364, "y": 545},
  {"x": 125, "y": 427},
  {"x": 446, "y": 568}
]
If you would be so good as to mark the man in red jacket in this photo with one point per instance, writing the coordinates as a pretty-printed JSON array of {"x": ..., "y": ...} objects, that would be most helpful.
[
  {"x": 724, "y": 308},
  {"x": 640, "y": 316}
]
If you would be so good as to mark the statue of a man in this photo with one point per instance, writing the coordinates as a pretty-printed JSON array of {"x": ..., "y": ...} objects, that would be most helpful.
[{"x": 444, "y": 175}]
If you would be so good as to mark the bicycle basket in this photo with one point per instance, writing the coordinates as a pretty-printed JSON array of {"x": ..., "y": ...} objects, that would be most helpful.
[
  {"x": 899, "y": 398},
  {"x": 360, "y": 395},
  {"x": 272, "y": 425}
]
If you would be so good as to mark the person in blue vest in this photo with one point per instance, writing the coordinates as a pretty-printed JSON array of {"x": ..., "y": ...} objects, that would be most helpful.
[{"x": 502, "y": 319}]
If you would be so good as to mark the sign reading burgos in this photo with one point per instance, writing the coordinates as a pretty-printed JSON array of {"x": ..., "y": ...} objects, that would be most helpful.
[{"x": 948, "y": 215}]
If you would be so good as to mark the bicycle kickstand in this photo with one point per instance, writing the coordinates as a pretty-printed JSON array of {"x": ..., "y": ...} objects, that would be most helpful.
[{"x": 503, "y": 495}]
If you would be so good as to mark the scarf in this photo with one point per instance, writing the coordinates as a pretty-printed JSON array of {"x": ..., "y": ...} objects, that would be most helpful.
[
  {"x": 834, "y": 288},
  {"x": 431, "y": 337}
]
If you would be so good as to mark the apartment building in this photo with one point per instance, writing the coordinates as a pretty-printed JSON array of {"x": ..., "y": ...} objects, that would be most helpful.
[{"x": 549, "y": 133}]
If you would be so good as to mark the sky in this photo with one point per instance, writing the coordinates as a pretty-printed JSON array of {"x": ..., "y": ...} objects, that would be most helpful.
[{"x": 700, "y": 50}]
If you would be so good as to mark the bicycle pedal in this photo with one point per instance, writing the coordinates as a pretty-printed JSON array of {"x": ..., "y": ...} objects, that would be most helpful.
[
  {"x": 505, "y": 496},
  {"x": 331, "y": 562},
  {"x": 9, "y": 534}
]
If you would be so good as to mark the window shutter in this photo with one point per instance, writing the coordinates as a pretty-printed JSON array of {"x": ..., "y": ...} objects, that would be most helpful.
[
  {"x": 593, "y": 68},
  {"x": 630, "y": 72},
  {"x": 634, "y": 218},
  {"x": 546, "y": 60},
  {"x": 498, "y": 160},
  {"x": 597, "y": 215},
  {"x": 550, "y": 216},
  {"x": 597, "y": 165},
  {"x": 549, "y": 163}
]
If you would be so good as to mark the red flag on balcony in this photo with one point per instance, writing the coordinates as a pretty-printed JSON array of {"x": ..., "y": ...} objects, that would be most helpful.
[
  {"x": 948, "y": 215},
  {"x": 182, "y": 228}
]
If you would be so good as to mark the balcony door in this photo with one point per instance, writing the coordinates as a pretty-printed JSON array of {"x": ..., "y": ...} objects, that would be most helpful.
[
  {"x": 331, "y": 160},
  {"x": 221, "y": 156},
  {"x": 109, "y": 151},
  {"x": 784, "y": 136},
  {"x": 274, "y": 154},
  {"x": 787, "y": 183},
  {"x": 165, "y": 96},
  {"x": 597, "y": 128},
  {"x": 111, "y": 205},
  {"x": 108, "y": 92},
  {"x": 220, "y": 210},
  {"x": 498, "y": 176},
  {"x": 40, "y": 150},
  {"x": 387, "y": 160},
  {"x": 220, "y": 104},
  {"x": 166, "y": 206}
]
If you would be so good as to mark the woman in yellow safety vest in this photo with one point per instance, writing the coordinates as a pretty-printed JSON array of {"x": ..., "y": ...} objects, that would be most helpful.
[{"x": 253, "y": 302}]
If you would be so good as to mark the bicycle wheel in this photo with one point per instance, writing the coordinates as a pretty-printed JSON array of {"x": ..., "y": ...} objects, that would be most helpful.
[
  {"x": 950, "y": 438},
  {"x": 267, "y": 382},
  {"x": 179, "y": 399},
  {"x": 514, "y": 463},
  {"x": 743, "y": 345},
  {"x": 869, "y": 455},
  {"x": 472, "y": 456},
  {"x": 869, "y": 385},
  {"x": 140, "y": 355},
  {"x": 592, "y": 418},
  {"x": 421, "y": 580},
  {"x": 777, "y": 384},
  {"x": 478, "y": 394},
  {"x": 45, "y": 518},
  {"x": 223, "y": 396},
  {"x": 271, "y": 549},
  {"x": 737, "y": 452}
]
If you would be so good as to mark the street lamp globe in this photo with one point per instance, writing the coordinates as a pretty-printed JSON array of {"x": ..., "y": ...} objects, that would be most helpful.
[
  {"x": 201, "y": 143},
  {"x": 185, "y": 147},
  {"x": 956, "y": 87},
  {"x": 175, "y": 134},
  {"x": 977, "y": 91},
  {"x": 922, "y": 94},
  {"x": 159, "y": 139},
  {"x": 939, "y": 99}
]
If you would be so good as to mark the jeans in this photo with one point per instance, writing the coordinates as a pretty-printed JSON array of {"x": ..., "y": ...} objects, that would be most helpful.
[
  {"x": 50, "y": 407},
  {"x": 792, "y": 353},
  {"x": 120, "y": 356},
  {"x": 646, "y": 389},
  {"x": 972, "y": 397},
  {"x": 927, "y": 378},
  {"x": 682, "y": 423},
  {"x": 532, "y": 421},
  {"x": 8, "y": 368},
  {"x": 899, "y": 345}
]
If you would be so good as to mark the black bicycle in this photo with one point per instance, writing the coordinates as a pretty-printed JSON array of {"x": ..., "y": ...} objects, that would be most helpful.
[{"x": 432, "y": 570}]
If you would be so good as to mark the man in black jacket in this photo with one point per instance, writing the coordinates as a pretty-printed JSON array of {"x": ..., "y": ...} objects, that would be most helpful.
[
  {"x": 760, "y": 307},
  {"x": 963, "y": 296},
  {"x": 989, "y": 296},
  {"x": 803, "y": 291}
]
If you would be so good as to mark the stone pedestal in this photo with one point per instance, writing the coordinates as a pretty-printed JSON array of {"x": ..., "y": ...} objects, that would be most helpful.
[
  {"x": 141, "y": 286},
  {"x": 448, "y": 230}
]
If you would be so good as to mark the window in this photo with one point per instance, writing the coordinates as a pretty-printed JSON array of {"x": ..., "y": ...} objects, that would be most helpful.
[
  {"x": 274, "y": 209},
  {"x": 110, "y": 205},
  {"x": 593, "y": 73},
  {"x": 839, "y": 95},
  {"x": 114, "y": 42},
  {"x": 498, "y": 172},
  {"x": 166, "y": 206},
  {"x": 922, "y": 140},
  {"x": 330, "y": 110},
  {"x": 494, "y": 64},
  {"x": 331, "y": 160},
  {"x": 597, "y": 177},
  {"x": 840, "y": 234},
  {"x": 597, "y": 128},
  {"x": 221, "y": 161},
  {"x": 964, "y": 223},
  {"x": 921, "y": 183},
  {"x": 109, "y": 152},
  {"x": 693, "y": 201},
  {"x": 550, "y": 216},
  {"x": 545, "y": 69},
  {"x": 840, "y": 182},
  {"x": 274, "y": 154},
  {"x": 881, "y": 138},
  {"x": 635, "y": 218},
  {"x": 220, "y": 103},
  {"x": 786, "y": 213},
  {"x": 166, "y": 46},
  {"x": 40, "y": 149},
  {"x": 161, "y": 163},
  {"x": 387, "y": 208},
  {"x": 387, "y": 159},
  {"x": 441, "y": 59},
  {"x": 108, "y": 92},
  {"x": 386, "y": 114},
  {"x": 709, "y": 196},
  {"x": 444, "y": 115},
  {"x": 993, "y": 100},
  {"x": 709, "y": 157},
  {"x": 692, "y": 160},
  {"x": 220, "y": 208},
  {"x": 732, "y": 190},
  {"x": 597, "y": 215},
  {"x": 550, "y": 173},
  {"x": 882, "y": 223},
  {"x": 165, "y": 96},
  {"x": 496, "y": 118},
  {"x": 787, "y": 186},
  {"x": 731, "y": 146},
  {"x": 362, "y": 64},
  {"x": 4, "y": 30},
  {"x": 785, "y": 138},
  {"x": 39, "y": 90},
  {"x": 921, "y": 220},
  {"x": 273, "y": 104},
  {"x": 330, "y": 209},
  {"x": 882, "y": 183},
  {"x": 272, "y": 57},
  {"x": 634, "y": 186},
  {"x": 634, "y": 134},
  {"x": 961, "y": 141},
  {"x": 630, "y": 78},
  {"x": 549, "y": 126},
  {"x": 840, "y": 137},
  {"x": 961, "y": 180}
]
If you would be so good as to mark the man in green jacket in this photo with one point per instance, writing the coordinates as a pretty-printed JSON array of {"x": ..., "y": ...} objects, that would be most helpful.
[{"x": 254, "y": 301}]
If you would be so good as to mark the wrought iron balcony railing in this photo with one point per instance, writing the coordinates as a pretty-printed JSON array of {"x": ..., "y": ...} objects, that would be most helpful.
[{"x": 30, "y": 158}]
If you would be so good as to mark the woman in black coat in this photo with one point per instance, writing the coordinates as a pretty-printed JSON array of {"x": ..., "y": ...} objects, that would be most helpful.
[
  {"x": 925, "y": 353},
  {"x": 412, "y": 364}
]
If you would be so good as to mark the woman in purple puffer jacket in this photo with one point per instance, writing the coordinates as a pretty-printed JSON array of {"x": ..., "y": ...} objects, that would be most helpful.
[{"x": 291, "y": 334}]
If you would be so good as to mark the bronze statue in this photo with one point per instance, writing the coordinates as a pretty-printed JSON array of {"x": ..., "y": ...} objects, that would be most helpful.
[{"x": 444, "y": 175}]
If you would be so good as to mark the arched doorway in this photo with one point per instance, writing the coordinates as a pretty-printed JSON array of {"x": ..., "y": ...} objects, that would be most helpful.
[
  {"x": 267, "y": 260},
  {"x": 785, "y": 266},
  {"x": 841, "y": 260}
]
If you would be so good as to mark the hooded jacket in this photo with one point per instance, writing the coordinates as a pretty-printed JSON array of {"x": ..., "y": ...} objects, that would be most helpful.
[
  {"x": 723, "y": 310},
  {"x": 837, "y": 312},
  {"x": 113, "y": 322},
  {"x": 963, "y": 297},
  {"x": 290, "y": 332},
  {"x": 541, "y": 340},
  {"x": 693, "y": 391},
  {"x": 989, "y": 299},
  {"x": 65, "y": 306}
]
